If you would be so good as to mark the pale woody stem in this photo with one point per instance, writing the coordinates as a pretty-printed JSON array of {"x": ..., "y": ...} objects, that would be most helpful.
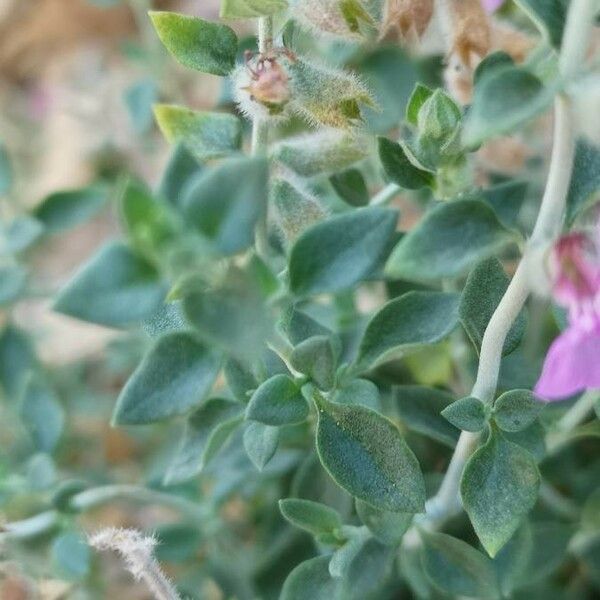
[{"x": 548, "y": 226}]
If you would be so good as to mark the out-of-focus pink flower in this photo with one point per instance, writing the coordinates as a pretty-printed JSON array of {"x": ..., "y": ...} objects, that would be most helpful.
[
  {"x": 573, "y": 361},
  {"x": 492, "y": 5}
]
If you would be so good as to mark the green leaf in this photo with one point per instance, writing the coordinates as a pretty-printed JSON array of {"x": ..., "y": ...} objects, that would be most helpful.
[
  {"x": 260, "y": 442},
  {"x": 584, "y": 190},
  {"x": 485, "y": 287},
  {"x": 361, "y": 392},
  {"x": 13, "y": 281},
  {"x": 499, "y": 487},
  {"x": 351, "y": 187},
  {"x": 181, "y": 168},
  {"x": 414, "y": 320},
  {"x": 115, "y": 288},
  {"x": 511, "y": 562},
  {"x": 420, "y": 409},
  {"x": 457, "y": 568},
  {"x": 239, "y": 380},
  {"x": 507, "y": 199},
  {"x": 294, "y": 208},
  {"x": 505, "y": 99},
  {"x": 206, "y": 431},
  {"x": 174, "y": 376},
  {"x": 278, "y": 401},
  {"x": 149, "y": 223},
  {"x": 226, "y": 202},
  {"x": 311, "y": 580},
  {"x": 71, "y": 555},
  {"x": 63, "y": 210},
  {"x": 17, "y": 358},
  {"x": 41, "y": 414},
  {"x": 231, "y": 315},
  {"x": 366, "y": 455},
  {"x": 316, "y": 358},
  {"x": 438, "y": 118},
  {"x": 388, "y": 527},
  {"x": 516, "y": 410},
  {"x": 399, "y": 169},
  {"x": 314, "y": 517},
  {"x": 550, "y": 550},
  {"x": 247, "y": 9},
  {"x": 19, "y": 235},
  {"x": 492, "y": 61},
  {"x": 416, "y": 101},
  {"x": 324, "y": 152},
  {"x": 206, "y": 135},
  {"x": 338, "y": 253},
  {"x": 448, "y": 240},
  {"x": 196, "y": 43},
  {"x": 468, "y": 414},
  {"x": 139, "y": 99},
  {"x": 549, "y": 16}
]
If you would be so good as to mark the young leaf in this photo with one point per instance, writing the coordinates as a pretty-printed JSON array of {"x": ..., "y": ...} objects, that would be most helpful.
[
  {"x": 63, "y": 210},
  {"x": 316, "y": 358},
  {"x": 196, "y": 43},
  {"x": 467, "y": 414},
  {"x": 484, "y": 289},
  {"x": 247, "y": 9},
  {"x": 499, "y": 487},
  {"x": 366, "y": 455},
  {"x": 323, "y": 152},
  {"x": 42, "y": 414},
  {"x": 350, "y": 185},
  {"x": 314, "y": 517},
  {"x": 457, "y": 568},
  {"x": 174, "y": 376},
  {"x": 226, "y": 202},
  {"x": 388, "y": 527},
  {"x": 504, "y": 99},
  {"x": 115, "y": 288},
  {"x": 180, "y": 170},
  {"x": 311, "y": 580},
  {"x": 399, "y": 169},
  {"x": 361, "y": 392},
  {"x": 448, "y": 240},
  {"x": 278, "y": 401},
  {"x": 416, "y": 101},
  {"x": 206, "y": 135},
  {"x": 338, "y": 253},
  {"x": 206, "y": 431},
  {"x": 414, "y": 320},
  {"x": 516, "y": 410},
  {"x": 260, "y": 442},
  {"x": 420, "y": 409}
]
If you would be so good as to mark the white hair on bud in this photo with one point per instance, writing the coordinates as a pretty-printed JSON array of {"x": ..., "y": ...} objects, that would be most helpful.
[{"x": 137, "y": 551}]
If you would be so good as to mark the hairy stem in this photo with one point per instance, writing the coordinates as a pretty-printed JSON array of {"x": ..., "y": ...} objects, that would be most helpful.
[{"x": 548, "y": 225}]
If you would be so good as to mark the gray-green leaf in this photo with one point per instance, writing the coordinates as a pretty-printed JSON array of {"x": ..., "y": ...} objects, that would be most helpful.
[
  {"x": 278, "y": 401},
  {"x": 516, "y": 410},
  {"x": 468, "y": 414}
]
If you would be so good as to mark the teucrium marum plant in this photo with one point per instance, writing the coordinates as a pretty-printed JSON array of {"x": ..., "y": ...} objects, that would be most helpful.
[{"x": 310, "y": 341}]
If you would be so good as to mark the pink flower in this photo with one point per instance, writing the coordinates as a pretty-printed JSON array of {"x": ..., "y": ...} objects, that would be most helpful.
[
  {"x": 572, "y": 364},
  {"x": 492, "y": 5}
]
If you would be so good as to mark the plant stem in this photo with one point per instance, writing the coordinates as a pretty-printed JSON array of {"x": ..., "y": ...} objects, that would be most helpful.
[
  {"x": 88, "y": 499},
  {"x": 260, "y": 133},
  {"x": 548, "y": 225},
  {"x": 388, "y": 193}
]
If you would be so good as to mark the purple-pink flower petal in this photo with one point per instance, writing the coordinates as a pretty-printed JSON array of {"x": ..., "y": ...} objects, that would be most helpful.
[
  {"x": 492, "y": 5},
  {"x": 572, "y": 365}
]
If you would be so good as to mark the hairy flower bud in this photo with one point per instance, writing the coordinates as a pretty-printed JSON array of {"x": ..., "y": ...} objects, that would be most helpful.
[
  {"x": 263, "y": 85},
  {"x": 406, "y": 20}
]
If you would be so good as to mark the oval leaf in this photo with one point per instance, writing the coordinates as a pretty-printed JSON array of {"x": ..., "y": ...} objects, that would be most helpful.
[
  {"x": 366, "y": 455},
  {"x": 278, "y": 401}
]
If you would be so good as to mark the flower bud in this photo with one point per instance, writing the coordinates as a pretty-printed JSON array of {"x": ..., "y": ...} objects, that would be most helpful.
[
  {"x": 406, "y": 20},
  {"x": 262, "y": 86},
  {"x": 438, "y": 117}
]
